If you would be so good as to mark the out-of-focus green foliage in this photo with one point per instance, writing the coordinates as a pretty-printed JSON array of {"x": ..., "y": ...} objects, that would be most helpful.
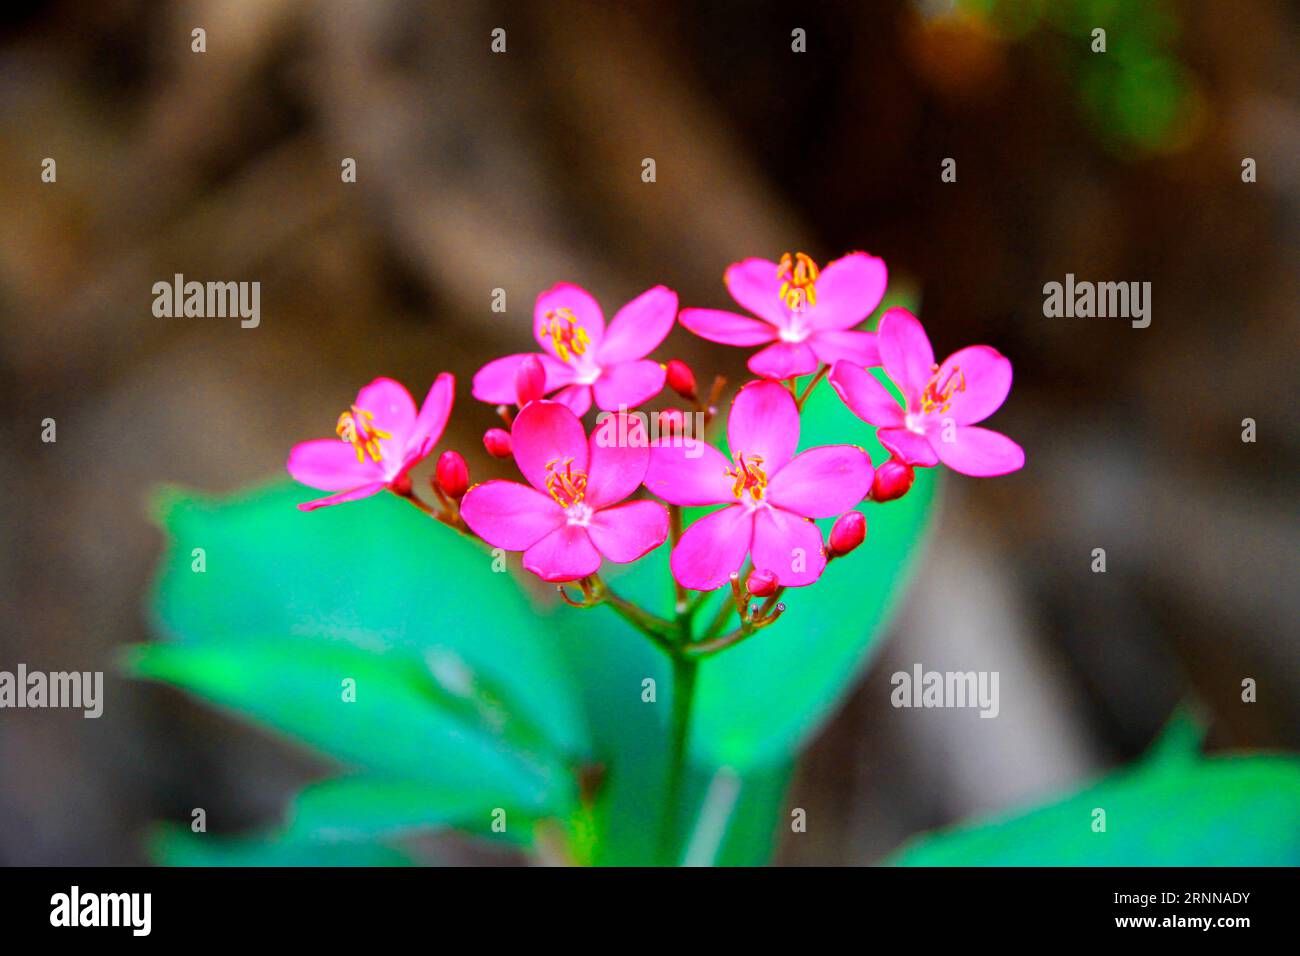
[
  {"x": 1174, "y": 808},
  {"x": 177, "y": 846},
  {"x": 1137, "y": 96}
]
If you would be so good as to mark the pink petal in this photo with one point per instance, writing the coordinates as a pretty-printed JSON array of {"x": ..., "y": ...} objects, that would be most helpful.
[
  {"x": 547, "y": 432},
  {"x": 822, "y": 482},
  {"x": 712, "y": 548},
  {"x": 693, "y": 474},
  {"x": 865, "y": 396},
  {"x": 979, "y": 452},
  {"x": 507, "y": 514},
  {"x": 987, "y": 376},
  {"x": 431, "y": 421},
  {"x": 585, "y": 309},
  {"x": 755, "y": 285},
  {"x": 908, "y": 445},
  {"x": 784, "y": 360},
  {"x": 495, "y": 381},
  {"x": 789, "y": 545},
  {"x": 617, "y": 461},
  {"x": 848, "y": 290},
  {"x": 565, "y": 554},
  {"x": 393, "y": 408},
  {"x": 576, "y": 398},
  {"x": 354, "y": 494},
  {"x": 626, "y": 532},
  {"x": 628, "y": 384},
  {"x": 905, "y": 352},
  {"x": 727, "y": 327},
  {"x": 860, "y": 348},
  {"x": 331, "y": 465},
  {"x": 764, "y": 423},
  {"x": 638, "y": 328}
]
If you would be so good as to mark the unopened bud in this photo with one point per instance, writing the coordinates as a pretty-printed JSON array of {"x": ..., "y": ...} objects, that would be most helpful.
[
  {"x": 892, "y": 480},
  {"x": 681, "y": 379},
  {"x": 497, "y": 442},
  {"x": 452, "y": 474},
  {"x": 849, "y": 531},
  {"x": 761, "y": 583},
  {"x": 530, "y": 380}
]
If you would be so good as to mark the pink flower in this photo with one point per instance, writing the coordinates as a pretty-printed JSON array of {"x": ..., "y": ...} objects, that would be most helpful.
[
  {"x": 943, "y": 401},
  {"x": 583, "y": 357},
  {"x": 383, "y": 438},
  {"x": 571, "y": 515},
  {"x": 770, "y": 493},
  {"x": 807, "y": 315}
]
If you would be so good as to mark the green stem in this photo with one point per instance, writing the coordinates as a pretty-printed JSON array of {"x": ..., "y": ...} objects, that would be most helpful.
[
  {"x": 710, "y": 647},
  {"x": 684, "y": 673},
  {"x": 675, "y": 535},
  {"x": 728, "y": 608},
  {"x": 800, "y": 399},
  {"x": 655, "y": 628}
]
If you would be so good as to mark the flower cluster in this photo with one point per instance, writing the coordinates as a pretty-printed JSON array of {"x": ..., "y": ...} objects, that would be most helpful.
[{"x": 617, "y": 493}]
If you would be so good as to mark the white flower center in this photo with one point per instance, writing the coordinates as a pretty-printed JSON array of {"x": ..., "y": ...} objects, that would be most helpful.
[
  {"x": 579, "y": 514},
  {"x": 795, "y": 332},
  {"x": 586, "y": 373}
]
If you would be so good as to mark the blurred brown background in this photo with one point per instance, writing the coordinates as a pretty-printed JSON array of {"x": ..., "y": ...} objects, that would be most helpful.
[{"x": 479, "y": 171}]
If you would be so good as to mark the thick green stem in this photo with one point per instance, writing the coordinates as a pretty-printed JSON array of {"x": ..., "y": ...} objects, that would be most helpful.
[{"x": 684, "y": 673}]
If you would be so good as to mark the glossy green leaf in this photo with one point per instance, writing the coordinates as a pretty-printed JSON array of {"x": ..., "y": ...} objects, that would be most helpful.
[
  {"x": 378, "y": 808},
  {"x": 377, "y": 574},
  {"x": 402, "y": 723},
  {"x": 1168, "y": 810}
]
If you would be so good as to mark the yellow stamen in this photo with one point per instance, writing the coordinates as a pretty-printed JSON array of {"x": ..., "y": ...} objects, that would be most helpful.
[
  {"x": 355, "y": 428},
  {"x": 749, "y": 477},
  {"x": 567, "y": 487},
  {"x": 798, "y": 275},
  {"x": 937, "y": 397},
  {"x": 567, "y": 336}
]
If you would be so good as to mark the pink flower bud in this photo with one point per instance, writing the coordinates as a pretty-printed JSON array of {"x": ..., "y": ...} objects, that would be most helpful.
[
  {"x": 530, "y": 380},
  {"x": 681, "y": 379},
  {"x": 452, "y": 474},
  {"x": 761, "y": 583},
  {"x": 497, "y": 442},
  {"x": 892, "y": 480},
  {"x": 849, "y": 531}
]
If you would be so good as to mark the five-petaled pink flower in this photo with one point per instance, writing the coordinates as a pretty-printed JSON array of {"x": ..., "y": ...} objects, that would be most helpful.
[
  {"x": 943, "y": 402},
  {"x": 383, "y": 438},
  {"x": 582, "y": 356},
  {"x": 570, "y": 516},
  {"x": 806, "y": 314},
  {"x": 771, "y": 494}
]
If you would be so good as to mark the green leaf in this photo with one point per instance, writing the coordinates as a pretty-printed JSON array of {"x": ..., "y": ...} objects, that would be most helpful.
[
  {"x": 177, "y": 846},
  {"x": 400, "y": 723},
  {"x": 1166, "y": 811},
  {"x": 377, "y": 574},
  {"x": 375, "y": 808}
]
